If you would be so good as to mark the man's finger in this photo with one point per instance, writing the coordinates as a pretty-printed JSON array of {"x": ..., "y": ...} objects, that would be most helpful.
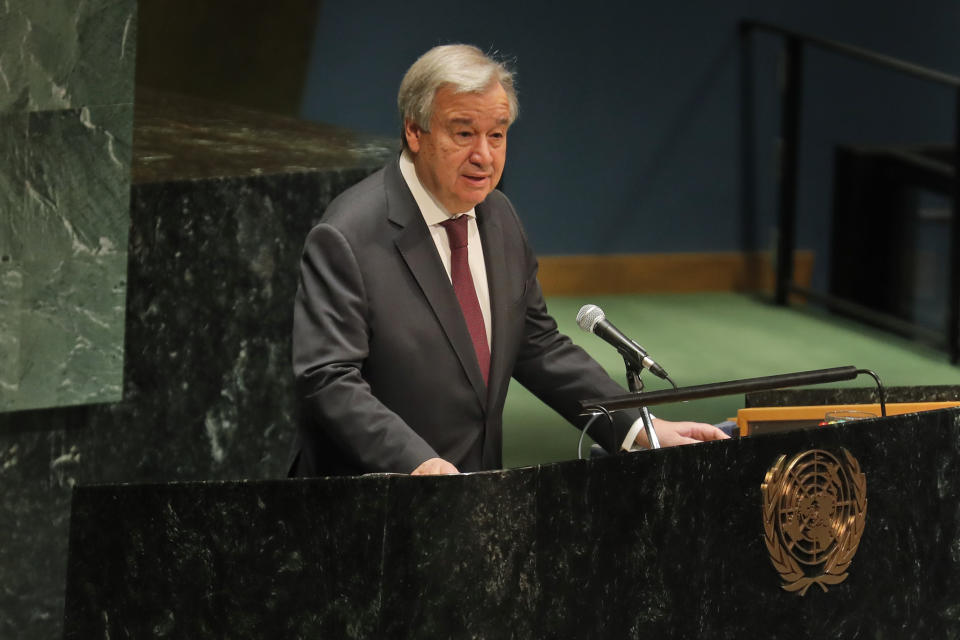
[
  {"x": 707, "y": 432},
  {"x": 434, "y": 467}
]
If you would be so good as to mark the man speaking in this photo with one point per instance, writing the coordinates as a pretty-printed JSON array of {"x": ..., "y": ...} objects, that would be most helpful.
[{"x": 418, "y": 299}]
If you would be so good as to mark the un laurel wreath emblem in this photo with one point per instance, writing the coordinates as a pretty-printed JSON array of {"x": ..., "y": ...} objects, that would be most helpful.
[{"x": 814, "y": 511}]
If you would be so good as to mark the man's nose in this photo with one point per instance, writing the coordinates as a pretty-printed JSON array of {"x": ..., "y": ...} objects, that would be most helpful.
[{"x": 482, "y": 152}]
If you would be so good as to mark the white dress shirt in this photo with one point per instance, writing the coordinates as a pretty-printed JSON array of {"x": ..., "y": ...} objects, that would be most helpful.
[{"x": 433, "y": 214}]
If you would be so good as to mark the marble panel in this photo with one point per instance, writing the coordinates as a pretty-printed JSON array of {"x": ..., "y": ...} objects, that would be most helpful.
[
  {"x": 666, "y": 544},
  {"x": 463, "y": 564},
  {"x": 11, "y": 292},
  {"x": 69, "y": 241},
  {"x": 66, "y": 54},
  {"x": 36, "y": 473},
  {"x": 66, "y": 110},
  {"x": 13, "y": 163},
  {"x": 205, "y": 312},
  {"x": 213, "y": 271},
  {"x": 182, "y": 138},
  {"x": 565, "y": 549},
  {"x": 208, "y": 392},
  {"x": 77, "y": 182},
  {"x": 13, "y": 166},
  {"x": 235, "y": 580}
]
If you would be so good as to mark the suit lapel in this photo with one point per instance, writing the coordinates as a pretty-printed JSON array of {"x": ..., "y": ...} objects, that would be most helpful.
[
  {"x": 491, "y": 235},
  {"x": 420, "y": 254}
]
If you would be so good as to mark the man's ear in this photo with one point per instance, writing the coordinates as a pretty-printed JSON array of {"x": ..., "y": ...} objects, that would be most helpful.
[{"x": 412, "y": 132}]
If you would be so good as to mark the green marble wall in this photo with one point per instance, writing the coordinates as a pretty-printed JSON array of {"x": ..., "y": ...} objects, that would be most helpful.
[{"x": 66, "y": 115}]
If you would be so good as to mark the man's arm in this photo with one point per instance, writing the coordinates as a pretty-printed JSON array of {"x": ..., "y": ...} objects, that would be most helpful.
[
  {"x": 330, "y": 345},
  {"x": 561, "y": 374},
  {"x": 556, "y": 370}
]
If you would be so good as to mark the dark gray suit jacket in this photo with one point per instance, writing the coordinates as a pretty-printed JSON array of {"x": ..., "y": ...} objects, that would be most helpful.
[{"x": 386, "y": 372}]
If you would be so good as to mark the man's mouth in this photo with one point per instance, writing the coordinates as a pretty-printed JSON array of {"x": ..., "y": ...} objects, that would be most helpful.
[{"x": 477, "y": 180}]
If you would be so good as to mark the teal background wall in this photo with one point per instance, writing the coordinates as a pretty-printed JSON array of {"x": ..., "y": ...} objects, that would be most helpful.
[
  {"x": 629, "y": 133},
  {"x": 66, "y": 114},
  {"x": 627, "y": 141}
]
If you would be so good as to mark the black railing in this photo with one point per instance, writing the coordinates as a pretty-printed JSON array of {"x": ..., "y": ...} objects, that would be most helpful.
[{"x": 794, "y": 44}]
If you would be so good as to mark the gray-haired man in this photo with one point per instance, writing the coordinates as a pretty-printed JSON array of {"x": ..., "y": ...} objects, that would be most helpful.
[{"x": 418, "y": 299}]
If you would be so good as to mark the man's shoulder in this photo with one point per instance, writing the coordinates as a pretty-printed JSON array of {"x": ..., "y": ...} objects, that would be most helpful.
[
  {"x": 366, "y": 196},
  {"x": 498, "y": 199},
  {"x": 498, "y": 206}
]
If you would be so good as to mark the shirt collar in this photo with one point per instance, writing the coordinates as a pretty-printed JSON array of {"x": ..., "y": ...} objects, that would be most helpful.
[{"x": 433, "y": 212}]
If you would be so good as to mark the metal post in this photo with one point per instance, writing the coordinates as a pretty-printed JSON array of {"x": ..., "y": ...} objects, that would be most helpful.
[
  {"x": 953, "y": 305},
  {"x": 635, "y": 385},
  {"x": 748, "y": 168},
  {"x": 789, "y": 153}
]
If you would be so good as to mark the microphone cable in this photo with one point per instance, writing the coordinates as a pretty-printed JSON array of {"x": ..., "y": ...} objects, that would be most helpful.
[
  {"x": 880, "y": 390},
  {"x": 600, "y": 411}
]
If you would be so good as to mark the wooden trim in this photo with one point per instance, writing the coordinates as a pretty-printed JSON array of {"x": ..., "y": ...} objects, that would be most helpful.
[
  {"x": 810, "y": 416},
  {"x": 666, "y": 272}
]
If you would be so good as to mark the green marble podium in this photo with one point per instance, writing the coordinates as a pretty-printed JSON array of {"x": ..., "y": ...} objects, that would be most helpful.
[{"x": 672, "y": 543}]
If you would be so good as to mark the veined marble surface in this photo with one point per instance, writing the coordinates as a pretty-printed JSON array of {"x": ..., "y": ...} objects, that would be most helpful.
[
  {"x": 66, "y": 112},
  {"x": 207, "y": 391},
  {"x": 183, "y": 138},
  {"x": 656, "y": 544},
  {"x": 66, "y": 54},
  {"x": 143, "y": 332}
]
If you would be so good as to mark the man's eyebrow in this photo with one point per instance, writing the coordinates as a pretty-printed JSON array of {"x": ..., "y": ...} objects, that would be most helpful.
[{"x": 467, "y": 121}]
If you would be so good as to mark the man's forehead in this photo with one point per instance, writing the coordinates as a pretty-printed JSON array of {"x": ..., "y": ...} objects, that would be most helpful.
[
  {"x": 491, "y": 100},
  {"x": 472, "y": 109}
]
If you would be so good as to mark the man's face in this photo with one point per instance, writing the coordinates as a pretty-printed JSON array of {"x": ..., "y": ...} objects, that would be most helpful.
[{"x": 460, "y": 160}]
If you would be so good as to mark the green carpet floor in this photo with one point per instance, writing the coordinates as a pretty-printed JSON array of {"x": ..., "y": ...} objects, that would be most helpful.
[{"x": 702, "y": 338}]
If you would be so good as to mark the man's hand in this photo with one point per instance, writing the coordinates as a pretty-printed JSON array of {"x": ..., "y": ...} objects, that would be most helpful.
[
  {"x": 434, "y": 467},
  {"x": 671, "y": 434}
]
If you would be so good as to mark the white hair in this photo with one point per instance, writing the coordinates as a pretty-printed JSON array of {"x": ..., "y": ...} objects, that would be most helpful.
[{"x": 461, "y": 66}]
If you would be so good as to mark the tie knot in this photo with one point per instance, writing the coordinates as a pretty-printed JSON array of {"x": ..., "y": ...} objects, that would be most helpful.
[{"x": 456, "y": 231}]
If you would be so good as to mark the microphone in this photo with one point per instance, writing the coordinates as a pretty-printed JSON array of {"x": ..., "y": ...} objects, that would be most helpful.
[{"x": 591, "y": 319}]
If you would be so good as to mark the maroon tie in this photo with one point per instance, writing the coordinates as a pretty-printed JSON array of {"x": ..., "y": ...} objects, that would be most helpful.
[{"x": 466, "y": 293}]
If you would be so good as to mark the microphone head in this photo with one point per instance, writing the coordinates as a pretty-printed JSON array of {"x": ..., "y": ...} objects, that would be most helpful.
[{"x": 588, "y": 317}]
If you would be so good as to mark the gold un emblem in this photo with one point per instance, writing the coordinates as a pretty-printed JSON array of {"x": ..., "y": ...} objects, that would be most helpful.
[{"x": 814, "y": 510}]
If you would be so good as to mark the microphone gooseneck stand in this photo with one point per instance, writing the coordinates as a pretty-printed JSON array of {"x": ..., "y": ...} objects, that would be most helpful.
[
  {"x": 638, "y": 400},
  {"x": 635, "y": 384}
]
